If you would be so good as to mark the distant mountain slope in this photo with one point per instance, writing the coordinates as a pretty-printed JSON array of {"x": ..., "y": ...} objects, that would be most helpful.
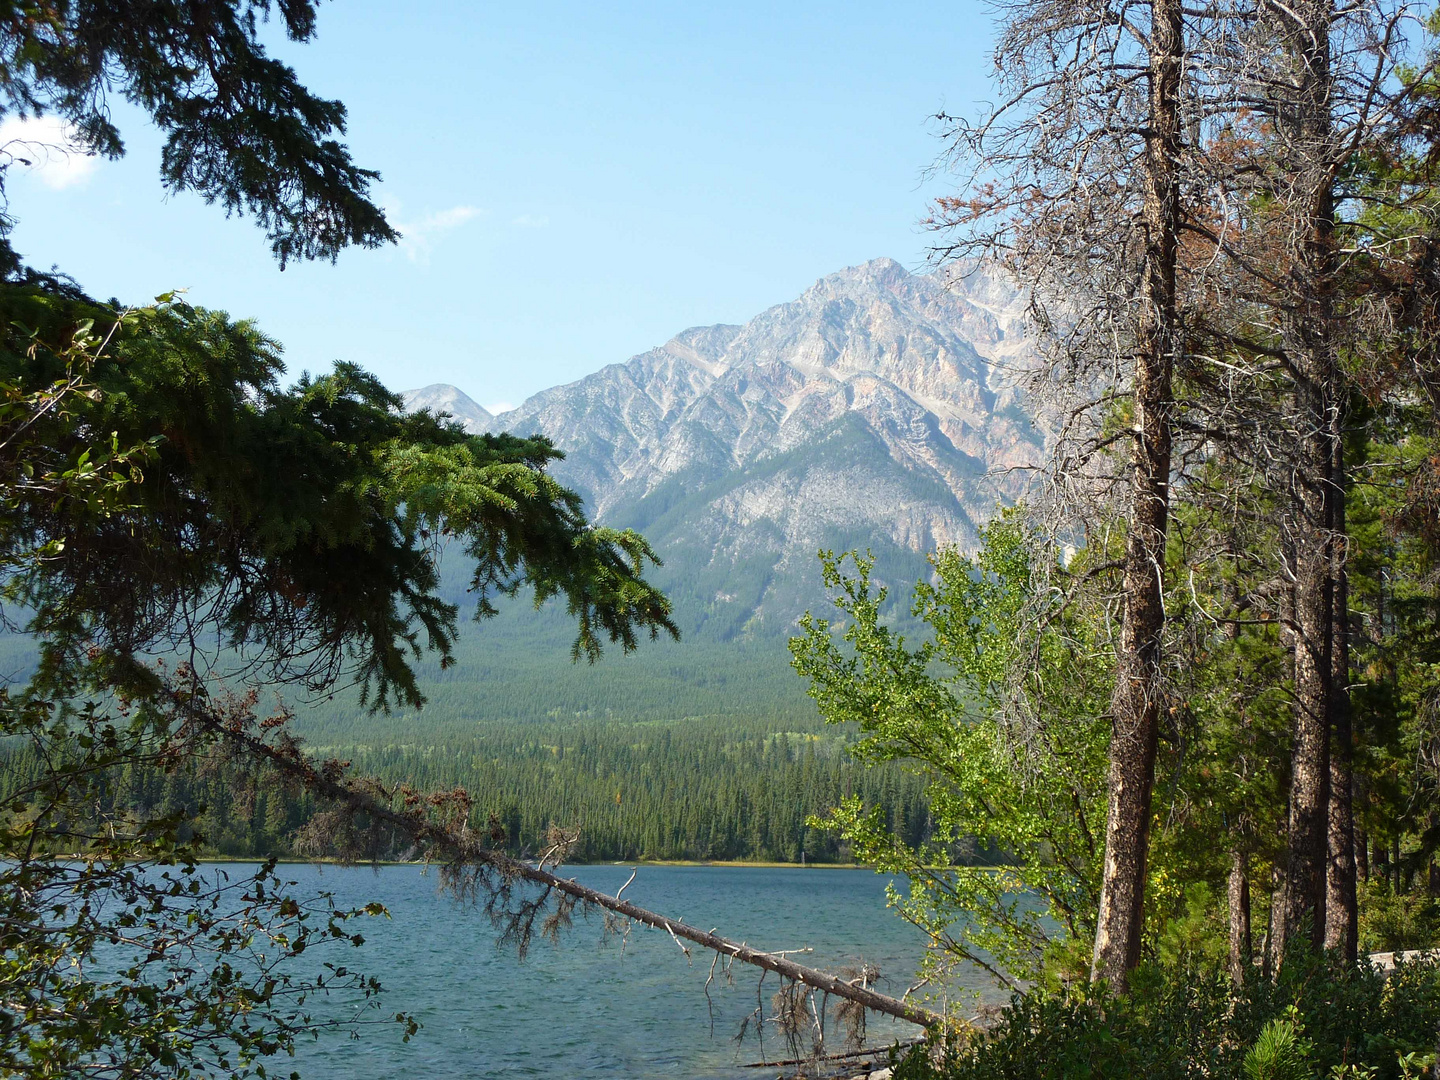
[
  {"x": 441, "y": 397},
  {"x": 873, "y": 412}
]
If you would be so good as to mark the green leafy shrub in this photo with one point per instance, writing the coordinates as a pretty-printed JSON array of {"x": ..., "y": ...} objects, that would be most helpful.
[
  {"x": 1184, "y": 1021},
  {"x": 1197, "y": 931},
  {"x": 1391, "y": 920}
]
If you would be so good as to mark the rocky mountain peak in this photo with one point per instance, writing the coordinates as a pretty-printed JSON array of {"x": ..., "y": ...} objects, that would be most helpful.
[
  {"x": 444, "y": 398},
  {"x": 874, "y": 410},
  {"x": 882, "y": 273}
]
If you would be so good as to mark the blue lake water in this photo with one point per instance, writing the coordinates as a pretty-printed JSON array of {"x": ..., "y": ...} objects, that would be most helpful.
[{"x": 582, "y": 1009}]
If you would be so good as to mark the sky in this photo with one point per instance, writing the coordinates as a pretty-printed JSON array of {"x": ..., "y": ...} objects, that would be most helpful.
[{"x": 576, "y": 182}]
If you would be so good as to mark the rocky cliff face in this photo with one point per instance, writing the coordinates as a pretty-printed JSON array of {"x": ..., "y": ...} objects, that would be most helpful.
[{"x": 875, "y": 411}]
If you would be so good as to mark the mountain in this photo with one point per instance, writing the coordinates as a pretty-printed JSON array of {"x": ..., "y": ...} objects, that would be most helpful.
[
  {"x": 874, "y": 411},
  {"x": 441, "y": 397}
]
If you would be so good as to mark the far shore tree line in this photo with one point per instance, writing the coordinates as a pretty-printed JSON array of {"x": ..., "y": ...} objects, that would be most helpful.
[{"x": 700, "y": 789}]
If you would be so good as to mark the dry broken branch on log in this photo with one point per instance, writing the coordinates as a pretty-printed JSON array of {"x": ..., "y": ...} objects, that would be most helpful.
[{"x": 848, "y": 1055}]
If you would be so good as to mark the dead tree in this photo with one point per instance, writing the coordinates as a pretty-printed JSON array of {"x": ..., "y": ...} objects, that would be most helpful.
[
  {"x": 1342, "y": 915},
  {"x": 1170, "y": 186},
  {"x": 1086, "y": 213},
  {"x": 1138, "y": 687},
  {"x": 1302, "y": 91}
]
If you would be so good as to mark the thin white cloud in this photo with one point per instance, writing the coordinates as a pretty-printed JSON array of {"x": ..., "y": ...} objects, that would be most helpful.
[
  {"x": 498, "y": 408},
  {"x": 46, "y": 148},
  {"x": 531, "y": 221},
  {"x": 418, "y": 239}
]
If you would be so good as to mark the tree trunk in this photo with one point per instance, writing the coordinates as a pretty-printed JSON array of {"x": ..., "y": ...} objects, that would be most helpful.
[
  {"x": 1341, "y": 908},
  {"x": 1307, "y": 338},
  {"x": 1381, "y": 861},
  {"x": 1308, "y": 825},
  {"x": 1362, "y": 841},
  {"x": 1239, "y": 904},
  {"x": 1277, "y": 890},
  {"x": 1136, "y": 702}
]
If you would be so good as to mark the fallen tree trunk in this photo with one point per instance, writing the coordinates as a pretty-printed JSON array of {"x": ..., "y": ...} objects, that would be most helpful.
[
  {"x": 820, "y": 980},
  {"x": 461, "y": 849},
  {"x": 848, "y": 1055}
]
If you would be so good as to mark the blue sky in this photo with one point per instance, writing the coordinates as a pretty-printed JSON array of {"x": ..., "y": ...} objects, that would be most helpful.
[{"x": 577, "y": 182}]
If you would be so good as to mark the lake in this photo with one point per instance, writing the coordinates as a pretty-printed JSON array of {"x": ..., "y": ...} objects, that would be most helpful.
[{"x": 582, "y": 1008}]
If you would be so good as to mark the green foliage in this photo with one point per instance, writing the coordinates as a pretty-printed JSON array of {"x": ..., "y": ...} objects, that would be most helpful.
[
  {"x": 1395, "y": 591},
  {"x": 1003, "y": 712},
  {"x": 1281, "y": 1052},
  {"x": 181, "y": 970},
  {"x": 1185, "y": 1021},
  {"x": 1009, "y": 696},
  {"x": 240, "y": 129},
  {"x": 517, "y": 669},
  {"x": 1391, "y": 920},
  {"x": 301, "y": 525},
  {"x": 1223, "y": 764},
  {"x": 163, "y": 494},
  {"x": 693, "y": 790},
  {"x": 1195, "y": 931}
]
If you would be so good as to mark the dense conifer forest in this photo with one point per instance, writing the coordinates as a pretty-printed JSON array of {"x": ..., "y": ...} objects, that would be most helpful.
[{"x": 696, "y": 789}]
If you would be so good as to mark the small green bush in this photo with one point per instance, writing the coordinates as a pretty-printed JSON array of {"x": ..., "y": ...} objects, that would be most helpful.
[
  {"x": 1390, "y": 920},
  {"x": 1184, "y": 1021}
]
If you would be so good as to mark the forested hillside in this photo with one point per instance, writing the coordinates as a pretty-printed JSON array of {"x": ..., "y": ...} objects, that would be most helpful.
[{"x": 517, "y": 668}]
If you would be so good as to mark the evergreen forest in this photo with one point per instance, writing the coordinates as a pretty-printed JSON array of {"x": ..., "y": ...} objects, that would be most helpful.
[{"x": 699, "y": 789}]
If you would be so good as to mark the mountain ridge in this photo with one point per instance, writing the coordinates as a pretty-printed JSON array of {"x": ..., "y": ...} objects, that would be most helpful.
[{"x": 876, "y": 410}]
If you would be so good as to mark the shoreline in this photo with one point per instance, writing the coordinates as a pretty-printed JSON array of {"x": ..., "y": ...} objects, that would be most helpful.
[{"x": 723, "y": 863}]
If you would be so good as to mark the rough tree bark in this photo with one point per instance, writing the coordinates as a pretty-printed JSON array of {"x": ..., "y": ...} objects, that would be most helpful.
[
  {"x": 1342, "y": 930},
  {"x": 1136, "y": 702},
  {"x": 1303, "y": 114},
  {"x": 1241, "y": 948}
]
